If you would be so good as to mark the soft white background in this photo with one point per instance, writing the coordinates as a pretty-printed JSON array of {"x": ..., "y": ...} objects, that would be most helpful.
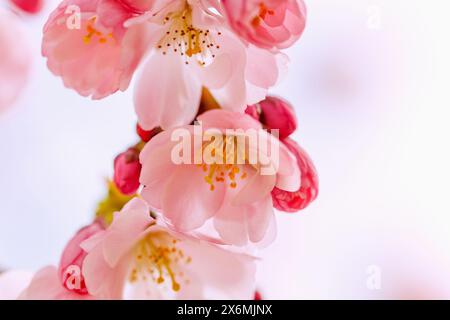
[{"x": 370, "y": 83}]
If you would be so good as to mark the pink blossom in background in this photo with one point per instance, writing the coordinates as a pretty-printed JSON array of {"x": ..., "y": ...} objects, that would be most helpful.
[
  {"x": 71, "y": 263},
  {"x": 99, "y": 56},
  {"x": 127, "y": 170},
  {"x": 195, "y": 49},
  {"x": 270, "y": 24},
  {"x": 235, "y": 197},
  {"x": 298, "y": 200},
  {"x": 15, "y": 59},
  {"x": 29, "y": 6},
  {"x": 141, "y": 254}
]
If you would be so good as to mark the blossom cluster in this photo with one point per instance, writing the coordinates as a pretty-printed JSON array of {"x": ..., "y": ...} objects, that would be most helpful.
[{"x": 170, "y": 229}]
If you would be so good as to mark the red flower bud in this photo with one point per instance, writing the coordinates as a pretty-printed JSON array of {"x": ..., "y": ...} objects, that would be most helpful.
[
  {"x": 145, "y": 135},
  {"x": 277, "y": 113},
  {"x": 29, "y": 6},
  {"x": 309, "y": 189},
  {"x": 71, "y": 264},
  {"x": 127, "y": 170}
]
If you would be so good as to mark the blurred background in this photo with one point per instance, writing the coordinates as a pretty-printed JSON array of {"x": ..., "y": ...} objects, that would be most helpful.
[{"x": 370, "y": 83}]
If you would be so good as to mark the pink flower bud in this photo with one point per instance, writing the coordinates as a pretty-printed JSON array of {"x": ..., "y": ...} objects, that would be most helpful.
[
  {"x": 71, "y": 264},
  {"x": 309, "y": 189},
  {"x": 29, "y": 6},
  {"x": 267, "y": 24},
  {"x": 276, "y": 113},
  {"x": 127, "y": 170}
]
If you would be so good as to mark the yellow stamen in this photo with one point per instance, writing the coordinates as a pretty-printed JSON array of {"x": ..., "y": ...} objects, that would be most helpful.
[{"x": 158, "y": 253}]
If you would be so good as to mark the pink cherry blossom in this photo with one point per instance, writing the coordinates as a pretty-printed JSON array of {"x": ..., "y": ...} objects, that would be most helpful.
[
  {"x": 235, "y": 197},
  {"x": 294, "y": 201},
  {"x": 71, "y": 264},
  {"x": 13, "y": 282},
  {"x": 138, "y": 257},
  {"x": 195, "y": 49},
  {"x": 127, "y": 170},
  {"x": 46, "y": 285},
  {"x": 29, "y": 6},
  {"x": 14, "y": 59},
  {"x": 267, "y": 23},
  {"x": 275, "y": 113},
  {"x": 86, "y": 44}
]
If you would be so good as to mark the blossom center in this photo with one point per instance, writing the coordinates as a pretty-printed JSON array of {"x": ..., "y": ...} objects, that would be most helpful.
[
  {"x": 92, "y": 33},
  {"x": 224, "y": 162},
  {"x": 188, "y": 41},
  {"x": 157, "y": 258},
  {"x": 262, "y": 14}
]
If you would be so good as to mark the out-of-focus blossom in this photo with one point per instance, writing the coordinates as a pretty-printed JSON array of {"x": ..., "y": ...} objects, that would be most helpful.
[
  {"x": 160, "y": 264},
  {"x": 127, "y": 170},
  {"x": 15, "y": 59},
  {"x": 71, "y": 264},
  {"x": 275, "y": 113},
  {"x": 294, "y": 201},
  {"x": 12, "y": 283},
  {"x": 29, "y": 6},
  {"x": 267, "y": 23},
  {"x": 87, "y": 45},
  {"x": 193, "y": 49},
  {"x": 46, "y": 285},
  {"x": 234, "y": 194}
]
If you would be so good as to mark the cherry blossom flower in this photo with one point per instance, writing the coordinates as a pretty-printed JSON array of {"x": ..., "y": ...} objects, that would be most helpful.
[
  {"x": 138, "y": 257},
  {"x": 87, "y": 45},
  {"x": 270, "y": 24},
  {"x": 15, "y": 59},
  {"x": 195, "y": 49},
  {"x": 234, "y": 194}
]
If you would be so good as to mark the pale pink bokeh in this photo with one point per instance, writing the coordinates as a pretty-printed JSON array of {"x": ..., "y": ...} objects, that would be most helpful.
[
  {"x": 15, "y": 59},
  {"x": 13, "y": 282}
]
